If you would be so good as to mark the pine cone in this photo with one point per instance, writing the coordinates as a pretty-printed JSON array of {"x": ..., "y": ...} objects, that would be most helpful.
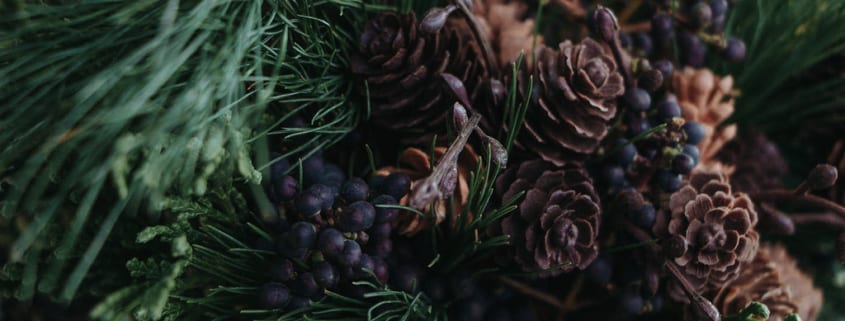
[
  {"x": 717, "y": 228},
  {"x": 577, "y": 87},
  {"x": 758, "y": 163},
  {"x": 773, "y": 279},
  {"x": 418, "y": 168},
  {"x": 702, "y": 96},
  {"x": 558, "y": 219},
  {"x": 401, "y": 65},
  {"x": 503, "y": 24}
]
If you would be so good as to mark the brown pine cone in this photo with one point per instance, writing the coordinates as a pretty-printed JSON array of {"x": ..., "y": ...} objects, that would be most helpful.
[
  {"x": 773, "y": 279},
  {"x": 703, "y": 98},
  {"x": 508, "y": 32},
  {"x": 417, "y": 165},
  {"x": 577, "y": 89},
  {"x": 557, "y": 222},
  {"x": 402, "y": 65},
  {"x": 716, "y": 228}
]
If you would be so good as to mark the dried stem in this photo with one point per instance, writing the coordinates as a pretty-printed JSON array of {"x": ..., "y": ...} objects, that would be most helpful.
[
  {"x": 826, "y": 218},
  {"x": 782, "y": 195},
  {"x": 428, "y": 191},
  {"x": 534, "y": 293}
]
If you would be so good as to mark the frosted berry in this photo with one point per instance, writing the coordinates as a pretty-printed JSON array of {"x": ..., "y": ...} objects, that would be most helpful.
[
  {"x": 694, "y": 132},
  {"x": 355, "y": 189},
  {"x": 356, "y": 217},
  {"x": 274, "y": 295},
  {"x": 331, "y": 242}
]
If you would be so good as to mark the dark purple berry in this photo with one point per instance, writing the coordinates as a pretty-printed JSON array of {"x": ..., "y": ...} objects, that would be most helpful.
[
  {"x": 669, "y": 181},
  {"x": 646, "y": 217},
  {"x": 600, "y": 271},
  {"x": 302, "y": 235},
  {"x": 285, "y": 188},
  {"x": 614, "y": 176},
  {"x": 286, "y": 249},
  {"x": 625, "y": 152},
  {"x": 692, "y": 151},
  {"x": 274, "y": 295},
  {"x": 312, "y": 169},
  {"x": 631, "y": 302},
  {"x": 281, "y": 270},
  {"x": 407, "y": 278},
  {"x": 325, "y": 193},
  {"x": 325, "y": 274},
  {"x": 298, "y": 302},
  {"x": 364, "y": 267},
  {"x": 701, "y": 15},
  {"x": 651, "y": 80},
  {"x": 682, "y": 164},
  {"x": 308, "y": 204},
  {"x": 381, "y": 248},
  {"x": 734, "y": 50},
  {"x": 332, "y": 176},
  {"x": 305, "y": 285},
  {"x": 668, "y": 109},
  {"x": 279, "y": 167},
  {"x": 380, "y": 269},
  {"x": 362, "y": 237},
  {"x": 666, "y": 68},
  {"x": 636, "y": 123},
  {"x": 351, "y": 254},
  {"x": 385, "y": 214},
  {"x": 396, "y": 185},
  {"x": 643, "y": 43},
  {"x": 719, "y": 7},
  {"x": 356, "y": 217},
  {"x": 662, "y": 27},
  {"x": 355, "y": 189},
  {"x": 694, "y": 131},
  {"x": 637, "y": 98},
  {"x": 380, "y": 231},
  {"x": 331, "y": 242},
  {"x": 693, "y": 49}
]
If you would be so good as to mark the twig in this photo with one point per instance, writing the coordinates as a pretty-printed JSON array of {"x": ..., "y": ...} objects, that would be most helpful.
[
  {"x": 534, "y": 293},
  {"x": 782, "y": 195},
  {"x": 826, "y": 218},
  {"x": 429, "y": 190},
  {"x": 636, "y": 27}
]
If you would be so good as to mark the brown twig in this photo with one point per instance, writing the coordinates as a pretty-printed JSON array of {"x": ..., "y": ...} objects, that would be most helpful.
[
  {"x": 782, "y": 195},
  {"x": 826, "y": 218},
  {"x": 629, "y": 11},
  {"x": 643, "y": 26},
  {"x": 534, "y": 293}
]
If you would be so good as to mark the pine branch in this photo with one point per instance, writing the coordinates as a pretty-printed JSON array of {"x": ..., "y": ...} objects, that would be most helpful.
[
  {"x": 109, "y": 108},
  {"x": 785, "y": 39}
]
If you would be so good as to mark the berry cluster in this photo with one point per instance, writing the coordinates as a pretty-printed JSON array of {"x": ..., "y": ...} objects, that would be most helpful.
[
  {"x": 694, "y": 25},
  {"x": 654, "y": 146},
  {"x": 330, "y": 231},
  {"x": 463, "y": 295}
]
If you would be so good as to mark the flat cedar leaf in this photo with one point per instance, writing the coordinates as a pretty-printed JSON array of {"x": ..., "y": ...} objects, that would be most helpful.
[{"x": 150, "y": 233}]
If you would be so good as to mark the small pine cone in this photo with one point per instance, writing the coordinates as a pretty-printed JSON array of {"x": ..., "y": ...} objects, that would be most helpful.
[
  {"x": 557, "y": 222},
  {"x": 506, "y": 29},
  {"x": 402, "y": 65},
  {"x": 758, "y": 163},
  {"x": 702, "y": 96},
  {"x": 717, "y": 227},
  {"x": 417, "y": 165},
  {"x": 773, "y": 279},
  {"x": 576, "y": 88}
]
